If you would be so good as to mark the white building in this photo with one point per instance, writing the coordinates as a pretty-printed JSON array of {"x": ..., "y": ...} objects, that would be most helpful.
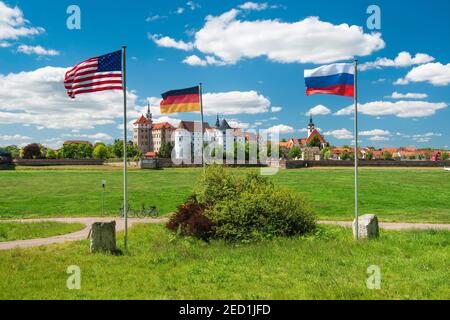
[{"x": 188, "y": 138}]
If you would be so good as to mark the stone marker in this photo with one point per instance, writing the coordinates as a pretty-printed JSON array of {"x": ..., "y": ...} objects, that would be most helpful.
[
  {"x": 103, "y": 237},
  {"x": 367, "y": 227}
]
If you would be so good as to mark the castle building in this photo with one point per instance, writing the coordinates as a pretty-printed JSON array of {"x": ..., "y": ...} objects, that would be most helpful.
[{"x": 149, "y": 136}]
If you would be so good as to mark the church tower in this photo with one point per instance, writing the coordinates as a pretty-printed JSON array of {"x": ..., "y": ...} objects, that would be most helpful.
[
  {"x": 311, "y": 126},
  {"x": 142, "y": 132}
]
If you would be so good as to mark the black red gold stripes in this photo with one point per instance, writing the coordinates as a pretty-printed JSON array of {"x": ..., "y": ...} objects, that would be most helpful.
[{"x": 183, "y": 100}]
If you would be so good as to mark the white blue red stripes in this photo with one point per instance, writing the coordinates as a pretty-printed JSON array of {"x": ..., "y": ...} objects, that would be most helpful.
[
  {"x": 335, "y": 79},
  {"x": 95, "y": 74}
]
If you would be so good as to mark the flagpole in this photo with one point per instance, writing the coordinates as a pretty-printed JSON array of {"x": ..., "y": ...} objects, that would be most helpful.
[
  {"x": 356, "y": 149},
  {"x": 200, "y": 88},
  {"x": 125, "y": 164}
]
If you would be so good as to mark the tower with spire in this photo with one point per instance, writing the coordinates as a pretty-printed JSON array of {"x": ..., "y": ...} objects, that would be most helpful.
[
  {"x": 149, "y": 114},
  {"x": 311, "y": 126}
]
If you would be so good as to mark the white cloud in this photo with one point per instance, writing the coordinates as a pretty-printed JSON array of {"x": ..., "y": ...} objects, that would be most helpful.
[
  {"x": 375, "y": 132},
  {"x": 379, "y": 138},
  {"x": 168, "y": 42},
  {"x": 306, "y": 41},
  {"x": 238, "y": 124},
  {"x": 97, "y": 137},
  {"x": 13, "y": 25},
  {"x": 235, "y": 102},
  {"x": 173, "y": 121},
  {"x": 403, "y": 59},
  {"x": 195, "y": 60},
  {"x": 401, "y": 109},
  {"x": 38, "y": 98},
  {"x": 281, "y": 129},
  {"x": 276, "y": 109},
  {"x": 435, "y": 73},
  {"x": 193, "y": 5},
  {"x": 39, "y": 50},
  {"x": 4, "y": 44},
  {"x": 340, "y": 134},
  {"x": 14, "y": 138},
  {"x": 426, "y": 137},
  {"x": 155, "y": 17},
  {"x": 225, "y": 103},
  {"x": 254, "y": 6},
  {"x": 318, "y": 110},
  {"x": 397, "y": 95},
  {"x": 180, "y": 10}
]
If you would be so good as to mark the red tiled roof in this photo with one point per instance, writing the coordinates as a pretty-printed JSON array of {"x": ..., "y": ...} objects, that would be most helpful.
[
  {"x": 150, "y": 154},
  {"x": 157, "y": 126},
  {"x": 315, "y": 133},
  {"x": 190, "y": 125},
  {"x": 390, "y": 150},
  {"x": 77, "y": 142},
  {"x": 142, "y": 120}
]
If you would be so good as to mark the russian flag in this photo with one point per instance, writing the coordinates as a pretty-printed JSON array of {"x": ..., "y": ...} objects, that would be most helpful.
[{"x": 338, "y": 79}]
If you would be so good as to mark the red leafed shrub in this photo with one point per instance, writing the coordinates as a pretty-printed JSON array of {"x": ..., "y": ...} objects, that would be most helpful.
[{"x": 189, "y": 220}]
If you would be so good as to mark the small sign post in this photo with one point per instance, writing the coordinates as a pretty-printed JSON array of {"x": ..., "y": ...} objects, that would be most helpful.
[{"x": 103, "y": 195}]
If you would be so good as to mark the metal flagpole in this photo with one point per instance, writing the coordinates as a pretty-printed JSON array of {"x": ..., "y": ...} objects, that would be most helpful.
[
  {"x": 356, "y": 148},
  {"x": 125, "y": 200},
  {"x": 200, "y": 88}
]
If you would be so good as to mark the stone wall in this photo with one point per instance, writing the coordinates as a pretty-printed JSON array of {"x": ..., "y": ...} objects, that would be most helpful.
[
  {"x": 160, "y": 163},
  {"x": 295, "y": 164},
  {"x": 56, "y": 162}
]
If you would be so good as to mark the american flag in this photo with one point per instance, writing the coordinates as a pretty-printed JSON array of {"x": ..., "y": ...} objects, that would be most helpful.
[{"x": 95, "y": 74}]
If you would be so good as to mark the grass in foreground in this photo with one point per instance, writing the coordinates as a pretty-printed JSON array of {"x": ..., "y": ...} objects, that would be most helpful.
[
  {"x": 331, "y": 265},
  {"x": 410, "y": 195},
  {"x": 10, "y": 231}
]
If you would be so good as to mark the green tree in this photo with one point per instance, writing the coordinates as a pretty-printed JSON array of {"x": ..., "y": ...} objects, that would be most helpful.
[
  {"x": 32, "y": 151},
  {"x": 166, "y": 150},
  {"x": 50, "y": 154},
  {"x": 14, "y": 151},
  {"x": 315, "y": 142},
  {"x": 369, "y": 155},
  {"x": 387, "y": 155},
  {"x": 84, "y": 151},
  {"x": 345, "y": 155},
  {"x": 117, "y": 148},
  {"x": 295, "y": 153},
  {"x": 445, "y": 156},
  {"x": 326, "y": 153},
  {"x": 100, "y": 152}
]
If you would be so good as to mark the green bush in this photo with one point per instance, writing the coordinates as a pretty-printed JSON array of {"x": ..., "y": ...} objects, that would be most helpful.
[
  {"x": 260, "y": 213},
  {"x": 249, "y": 207}
]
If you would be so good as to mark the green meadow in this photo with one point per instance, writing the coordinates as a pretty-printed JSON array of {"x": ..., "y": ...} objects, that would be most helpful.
[
  {"x": 328, "y": 265},
  {"x": 407, "y": 195},
  {"x": 10, "y": 231}
]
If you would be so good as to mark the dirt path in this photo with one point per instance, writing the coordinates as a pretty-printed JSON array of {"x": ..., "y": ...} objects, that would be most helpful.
[
  {"x": 79, "y": 235},
  {"x": 82, "y": 234}
]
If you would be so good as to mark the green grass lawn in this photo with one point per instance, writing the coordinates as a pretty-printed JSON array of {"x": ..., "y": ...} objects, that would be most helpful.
[
  {"x": 331, "y": 265},
  {"x": 411, "y": 195},
  {"x": 10, "y": 231}
]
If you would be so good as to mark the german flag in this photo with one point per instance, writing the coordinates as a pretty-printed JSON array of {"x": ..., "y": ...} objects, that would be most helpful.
[{"x": 183, "y": 100}]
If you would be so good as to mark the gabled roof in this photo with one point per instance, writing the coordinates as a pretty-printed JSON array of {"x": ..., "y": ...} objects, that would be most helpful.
[
  {"x": 77, "y": 142},
  {"x": 150, "y": 154},
  {"x": 143, "y": 120},
  {"x": 166, "y": 125},
  {"x": 190, "y": 126},
  {"x": 224, "y": 125},
  {"x": 315, "y": 133}
]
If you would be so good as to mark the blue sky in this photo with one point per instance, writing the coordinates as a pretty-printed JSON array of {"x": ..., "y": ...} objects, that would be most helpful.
[{"x": 250, "y": 57}]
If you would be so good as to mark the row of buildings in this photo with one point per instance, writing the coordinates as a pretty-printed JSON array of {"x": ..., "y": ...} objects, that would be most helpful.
[{"x": 186, "y": 139}]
